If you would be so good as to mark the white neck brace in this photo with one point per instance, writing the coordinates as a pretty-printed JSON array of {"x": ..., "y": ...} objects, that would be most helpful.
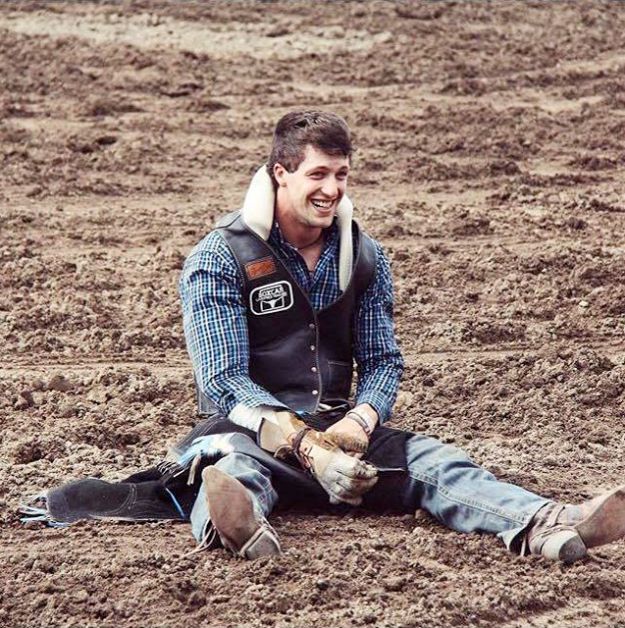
[{"x": 257, "y": 213}]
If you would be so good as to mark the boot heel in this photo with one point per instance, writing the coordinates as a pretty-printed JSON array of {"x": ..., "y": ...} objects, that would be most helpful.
[{"x": 231, "y": 512}]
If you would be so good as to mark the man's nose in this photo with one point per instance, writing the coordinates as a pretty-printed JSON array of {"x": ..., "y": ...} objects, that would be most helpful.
[{"x": 330, "y": 187}]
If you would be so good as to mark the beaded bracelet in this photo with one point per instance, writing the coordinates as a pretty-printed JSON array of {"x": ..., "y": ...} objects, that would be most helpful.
[{"x": 358, "y": 418}]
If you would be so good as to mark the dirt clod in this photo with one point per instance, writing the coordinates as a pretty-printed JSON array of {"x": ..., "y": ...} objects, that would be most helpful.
[{"x": 60, "y": 382}]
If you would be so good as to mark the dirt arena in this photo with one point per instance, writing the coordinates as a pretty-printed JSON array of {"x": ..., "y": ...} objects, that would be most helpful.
[{"x": 490, "y": 164}]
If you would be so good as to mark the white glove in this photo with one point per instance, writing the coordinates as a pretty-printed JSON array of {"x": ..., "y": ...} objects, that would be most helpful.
[{"x": 344, "y": 478}]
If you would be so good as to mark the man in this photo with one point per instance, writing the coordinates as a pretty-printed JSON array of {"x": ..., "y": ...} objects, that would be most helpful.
[{"x": 278, "y": 301}]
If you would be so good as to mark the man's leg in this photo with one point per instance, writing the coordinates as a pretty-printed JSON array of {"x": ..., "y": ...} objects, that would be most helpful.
[
  {"x": 464, "y": 496},
  {"x": 234, "y": 500},
  {"x": 467, "y": 498}
]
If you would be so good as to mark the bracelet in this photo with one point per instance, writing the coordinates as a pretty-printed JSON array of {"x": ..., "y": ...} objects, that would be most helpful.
[{"x": 355, "y": 416}]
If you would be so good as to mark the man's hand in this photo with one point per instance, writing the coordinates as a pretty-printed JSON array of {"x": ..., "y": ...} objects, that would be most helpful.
[
  {"x": 349, "y": 436},
  {"x": 343, "y": 477},
  {"x": 352, "y": 432},
  {"x": 347, "y": 479}
]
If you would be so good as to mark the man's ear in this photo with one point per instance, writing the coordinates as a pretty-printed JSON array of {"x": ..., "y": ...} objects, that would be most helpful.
[{"x": 280, "y": 172}]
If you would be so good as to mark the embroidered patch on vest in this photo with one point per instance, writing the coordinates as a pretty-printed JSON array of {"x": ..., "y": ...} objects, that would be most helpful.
[
  {"x": 272, "y": 297},
  {"x": 260, "y": 268}
]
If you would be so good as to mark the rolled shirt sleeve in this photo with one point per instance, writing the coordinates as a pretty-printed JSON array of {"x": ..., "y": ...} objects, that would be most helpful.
[
  {"x": 215, "y": 327},
  {"x": 378, "y": 359}
]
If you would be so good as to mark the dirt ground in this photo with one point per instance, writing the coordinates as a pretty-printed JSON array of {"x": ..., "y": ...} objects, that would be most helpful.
[{"x": 490, "y": 164}]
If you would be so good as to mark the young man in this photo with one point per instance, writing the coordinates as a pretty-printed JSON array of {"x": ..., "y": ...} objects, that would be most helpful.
[{"x": 278, "y": 302}]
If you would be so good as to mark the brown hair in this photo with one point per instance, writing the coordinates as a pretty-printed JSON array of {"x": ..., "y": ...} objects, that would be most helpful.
[{"x": 327, "y": 132}]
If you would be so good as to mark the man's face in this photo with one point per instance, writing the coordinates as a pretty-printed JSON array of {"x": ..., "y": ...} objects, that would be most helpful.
[{"x": 310, "y": 195}]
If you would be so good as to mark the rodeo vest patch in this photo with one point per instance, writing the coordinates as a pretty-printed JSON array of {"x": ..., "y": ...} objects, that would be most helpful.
[{"x": 271, "y": 298}]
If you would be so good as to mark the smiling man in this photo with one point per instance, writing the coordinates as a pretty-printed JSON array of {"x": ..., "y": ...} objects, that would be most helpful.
[
  {"x": 295, "y": 225},
  {"x": 279, "y": 301}
]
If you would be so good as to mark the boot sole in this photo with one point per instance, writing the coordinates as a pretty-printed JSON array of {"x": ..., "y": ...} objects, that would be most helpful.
[
  {"x": 232, "y": 514},
  {"x": 606, "y": 523}
]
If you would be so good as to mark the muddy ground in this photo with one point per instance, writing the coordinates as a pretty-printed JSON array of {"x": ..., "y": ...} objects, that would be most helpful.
[{"x": 490, "y": 163}]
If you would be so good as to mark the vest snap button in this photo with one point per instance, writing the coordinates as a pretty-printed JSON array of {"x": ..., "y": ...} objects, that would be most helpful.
[
  {"x": 311, "y": 325},
  {"x": 315, "y": 392},
  {"x": 314, "y": 369},
  {"x": 312, "y": 347}
]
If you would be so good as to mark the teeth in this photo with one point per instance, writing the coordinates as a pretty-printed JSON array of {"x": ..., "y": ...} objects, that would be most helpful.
[{"x": 322, "y": 204}]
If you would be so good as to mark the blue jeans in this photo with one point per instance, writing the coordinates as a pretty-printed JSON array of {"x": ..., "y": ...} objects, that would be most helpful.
[
  {"x": 464, "y": 496},
  {"x": 443, "y": 481}
]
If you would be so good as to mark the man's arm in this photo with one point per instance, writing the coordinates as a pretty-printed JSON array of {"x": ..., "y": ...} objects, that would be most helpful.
[
  {"x": 215, "y": 329},
  {"x": 378, "y": 359}
]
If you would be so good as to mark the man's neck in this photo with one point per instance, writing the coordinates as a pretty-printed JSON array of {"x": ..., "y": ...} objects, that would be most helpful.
[{"x": 298, "y": 235}]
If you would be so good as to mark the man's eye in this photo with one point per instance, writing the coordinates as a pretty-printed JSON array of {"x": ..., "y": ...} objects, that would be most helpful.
[{"x": 317, "y": 175}]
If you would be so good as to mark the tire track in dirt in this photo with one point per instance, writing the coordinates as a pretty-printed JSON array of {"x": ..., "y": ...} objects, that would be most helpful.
[
  {"x": 151, "y": 31},
  {"x": 156, "y": 364},
  {"x": 611, "y": 349},
  {"x": 509, "y": 243}
]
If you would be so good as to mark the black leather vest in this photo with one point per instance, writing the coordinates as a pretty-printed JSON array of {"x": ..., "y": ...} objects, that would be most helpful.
[{"x": 302, "y": 357}]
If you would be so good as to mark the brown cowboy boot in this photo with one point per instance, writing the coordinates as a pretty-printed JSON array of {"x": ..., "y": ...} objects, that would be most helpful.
[
  {"x": 565, "y": 532},
  {"x": 241, "y": 529}
]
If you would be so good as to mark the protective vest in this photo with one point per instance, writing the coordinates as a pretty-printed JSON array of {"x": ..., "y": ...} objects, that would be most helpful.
[{"x": 301, "y": 356}]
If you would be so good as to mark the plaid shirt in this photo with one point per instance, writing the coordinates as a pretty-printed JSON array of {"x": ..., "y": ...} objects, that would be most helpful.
[{"x": 215, "y": 327}]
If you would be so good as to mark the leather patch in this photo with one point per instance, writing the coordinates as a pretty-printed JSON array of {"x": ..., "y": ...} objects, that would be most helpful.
[
  {"x": 260, "y": 268},
  {"x": 270, "y": 298}
]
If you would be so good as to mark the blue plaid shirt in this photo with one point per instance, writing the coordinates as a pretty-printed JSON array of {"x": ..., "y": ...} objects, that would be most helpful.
[{"x": 214, "y": 319}]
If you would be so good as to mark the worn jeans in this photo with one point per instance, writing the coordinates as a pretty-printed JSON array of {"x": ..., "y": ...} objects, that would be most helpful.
[{"x": 443, "y": 481}]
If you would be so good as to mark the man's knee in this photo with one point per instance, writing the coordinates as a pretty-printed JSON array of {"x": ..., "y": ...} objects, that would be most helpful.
[
  {"x": 236, "y": 462},
  {"x": 451, "y": 453},
  {"x": 430, "y": 452}
]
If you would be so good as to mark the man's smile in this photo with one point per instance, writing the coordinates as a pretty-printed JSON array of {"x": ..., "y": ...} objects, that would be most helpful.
[{"x": 322, "y": 204}]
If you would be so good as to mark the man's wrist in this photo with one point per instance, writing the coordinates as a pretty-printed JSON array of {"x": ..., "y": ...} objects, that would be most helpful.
[
  {"x": 365, "y": 415},
  {"x": 355, "y": 416}
]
